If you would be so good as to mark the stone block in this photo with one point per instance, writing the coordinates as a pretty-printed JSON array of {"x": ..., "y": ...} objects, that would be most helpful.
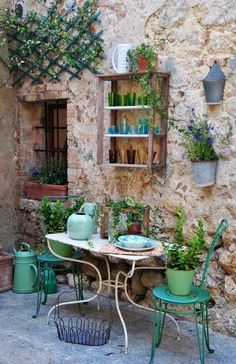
[
  {"x": 152, "y": 278},
  {"x": 230, "y": 289}
]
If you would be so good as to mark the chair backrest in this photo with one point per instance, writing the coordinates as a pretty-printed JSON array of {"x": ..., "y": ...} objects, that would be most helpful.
[{"x": 221, "y": 228}]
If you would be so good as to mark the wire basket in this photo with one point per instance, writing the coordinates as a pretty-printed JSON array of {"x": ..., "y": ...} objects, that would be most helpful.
[{"x": 82, "y": 329}]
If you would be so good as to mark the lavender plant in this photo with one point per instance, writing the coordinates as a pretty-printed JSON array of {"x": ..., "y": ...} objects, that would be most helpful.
[{"x": 200, "y": 136}]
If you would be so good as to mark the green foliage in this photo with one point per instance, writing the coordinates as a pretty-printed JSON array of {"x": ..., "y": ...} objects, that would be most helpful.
[
  {"x": 49, "y": 45},
  {"x": 155, "y": 97},
  {"x": 183, "y": 255},
  {"x": 51, "y": 172},
  {"x": 199, "y": 135},
  {"x": 146, "y": 50},
  {"x": 135, "y": 214},
  {"x": 56, "y": 214}
]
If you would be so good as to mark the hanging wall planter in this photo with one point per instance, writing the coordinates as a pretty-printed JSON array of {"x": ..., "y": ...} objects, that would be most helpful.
[
  {"x": 204, "y": 172},
  {"x": 214, "y": 84}
]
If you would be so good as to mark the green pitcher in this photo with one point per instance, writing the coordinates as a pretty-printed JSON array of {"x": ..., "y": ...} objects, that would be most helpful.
[
  {"x": 91, "y": 208},
  {"x": 26, "y": 271}
]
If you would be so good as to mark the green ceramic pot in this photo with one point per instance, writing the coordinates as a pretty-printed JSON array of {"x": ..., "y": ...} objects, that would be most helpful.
[
  {"x": 179, "y": 281},
  {"x": 91, "y": 208},
  {"x": 64, "y": 250},
  {"x": 80, "y": 226}
]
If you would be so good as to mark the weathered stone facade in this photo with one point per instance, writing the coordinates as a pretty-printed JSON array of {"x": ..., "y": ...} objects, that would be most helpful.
[
  {"x": 196, "y": 33},
  {"x": 8, "y": 139}
]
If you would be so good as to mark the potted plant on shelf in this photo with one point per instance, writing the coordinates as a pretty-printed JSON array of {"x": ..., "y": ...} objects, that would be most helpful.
[
  {"x": 124, "y": 216},
  {"x": 182, "y": 256},
  {"x": 200, "y": 135},
  {"x": 49, "y": 180},
  {"x": 150, "y": 89},
  {"x": 142, "y": 58}
]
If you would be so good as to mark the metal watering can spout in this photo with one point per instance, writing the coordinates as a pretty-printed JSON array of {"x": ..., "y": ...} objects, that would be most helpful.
[{"x": 26, "y": 269}]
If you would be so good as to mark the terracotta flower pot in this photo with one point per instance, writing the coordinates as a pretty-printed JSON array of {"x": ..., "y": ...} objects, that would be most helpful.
[
  {"x": 143, "y": 64},
  {"x": 134, "y": 228},
  {"x": 6, "y": 260},
  {"x": 37, "y": 191}
]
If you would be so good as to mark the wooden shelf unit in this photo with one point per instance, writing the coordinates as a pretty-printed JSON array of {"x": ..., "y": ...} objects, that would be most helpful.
[{"x": 161, "y": 138}]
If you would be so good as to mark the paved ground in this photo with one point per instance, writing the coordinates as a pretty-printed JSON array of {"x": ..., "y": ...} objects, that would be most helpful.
[{"x": 25, "y": 340}]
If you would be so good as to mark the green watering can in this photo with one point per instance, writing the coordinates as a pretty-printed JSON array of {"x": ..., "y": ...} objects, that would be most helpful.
[
  {"x": 26, "y": 271},
  {"x": 49, "y": 280}
]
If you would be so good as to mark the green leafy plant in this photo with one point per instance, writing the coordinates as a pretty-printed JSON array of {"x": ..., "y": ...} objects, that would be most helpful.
[
  {"x": 46, "y": 46},
  {"x": 182, "y": 254},
  {"x": 56, "y": 214},
  {"x": 199, "y": 135},
  {"x": 143, "y": 50},
  {"x": 148, "y": 88},
  {"x": 51, "y": 172},
  {"x": 132, "y": 210}
]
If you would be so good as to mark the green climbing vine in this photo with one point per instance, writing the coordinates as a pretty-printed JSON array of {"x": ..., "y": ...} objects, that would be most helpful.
[{"x": 47, "y": 46}]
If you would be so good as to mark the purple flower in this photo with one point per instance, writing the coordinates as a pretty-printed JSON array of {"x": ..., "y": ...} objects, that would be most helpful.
[
  {"x": 204, "y": 115},
  {"x": 199, "y": 130},
  {"x": 207, "y": 127},
  {"x": 191, "y": 121},
  {"x": 209, "y": 140},
  {"x": 190, "y": 127},
  {"x": 198, "y": 138}
]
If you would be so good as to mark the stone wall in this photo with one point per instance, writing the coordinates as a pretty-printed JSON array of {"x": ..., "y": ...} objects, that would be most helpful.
[
  {"x": 8, "y": 138},
  {"x": 196, "y": 33}
]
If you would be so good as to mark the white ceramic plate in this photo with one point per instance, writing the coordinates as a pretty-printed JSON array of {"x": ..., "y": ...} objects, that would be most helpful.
[{"x": 148, "y": 246}]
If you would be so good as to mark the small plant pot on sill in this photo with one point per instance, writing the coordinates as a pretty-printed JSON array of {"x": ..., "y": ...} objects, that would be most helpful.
[
  {"x": 204, "y": 172},
  {"x": 6, "y": 260},
  {"x": 179, "y": 281},
  {"x": 37, "y": 191}
]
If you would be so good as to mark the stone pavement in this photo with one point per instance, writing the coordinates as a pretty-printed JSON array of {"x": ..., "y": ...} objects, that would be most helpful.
[{"x": 25, "y": 340}]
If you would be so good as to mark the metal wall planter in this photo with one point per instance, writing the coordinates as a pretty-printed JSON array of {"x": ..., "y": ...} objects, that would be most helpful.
[
  {"x": 214, "y": 84},
  {"x": 204, "y": 172}
]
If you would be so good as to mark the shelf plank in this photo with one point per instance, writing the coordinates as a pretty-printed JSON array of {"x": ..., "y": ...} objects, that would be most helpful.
[
  {"x": 127, "y": 76},
  {"x": 135, "y": 107},
  {"x": 127, "y": 135},
  {"x": 126, "y": 165},
  {"x": 159, "y": 135}
]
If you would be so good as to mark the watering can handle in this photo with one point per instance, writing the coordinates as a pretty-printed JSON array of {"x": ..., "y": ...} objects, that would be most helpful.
[
  {"x": 36, "y": 273},
  {"x": 113, "y": 60},
  {"x": 25, "y": 245}
]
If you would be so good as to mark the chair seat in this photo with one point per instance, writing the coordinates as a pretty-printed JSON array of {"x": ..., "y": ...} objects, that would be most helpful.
[
  {"x": 48, "y": 257},
  {"x": 197, "y": 295}
]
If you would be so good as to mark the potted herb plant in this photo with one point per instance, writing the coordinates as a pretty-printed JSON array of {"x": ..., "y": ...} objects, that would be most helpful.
[
  {"x": 49, "y": 180},
  {"x": 142, "y": 58},
  {"x": 146, "y": 55},
  {"x": 183, "y": 256},
  {"x": 200, "y": 135}
]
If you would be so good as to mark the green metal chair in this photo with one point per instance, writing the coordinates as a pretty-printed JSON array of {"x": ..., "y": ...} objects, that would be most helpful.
[
  {"x": 47, "y": 265},
  {"x": 197, "y": 301}
]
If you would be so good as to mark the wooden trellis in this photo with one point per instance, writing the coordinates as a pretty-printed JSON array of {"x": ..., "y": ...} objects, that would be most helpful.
[{"x": 71, "y": 54}]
